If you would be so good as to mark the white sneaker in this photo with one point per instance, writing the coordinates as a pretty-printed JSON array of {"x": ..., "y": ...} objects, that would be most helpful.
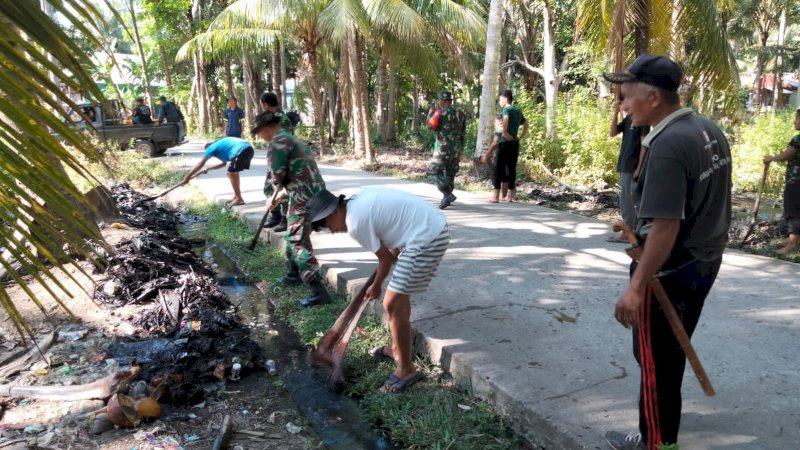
[{"x": 630, "y": 441}]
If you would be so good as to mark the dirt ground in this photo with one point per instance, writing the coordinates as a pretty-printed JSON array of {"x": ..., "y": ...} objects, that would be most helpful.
[
  {"x": 768, "y": 232},
  {"x": 257, "y": 404}
]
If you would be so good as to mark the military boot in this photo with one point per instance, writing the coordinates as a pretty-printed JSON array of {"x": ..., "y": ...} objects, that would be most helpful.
[
  {"x": 274, "y": 218},
  {"x": 292, "y": 276},
  {"x": 318, "y": 296},
  {"x": 447, "y": 200},
  {"x": 281, "y": 227}
]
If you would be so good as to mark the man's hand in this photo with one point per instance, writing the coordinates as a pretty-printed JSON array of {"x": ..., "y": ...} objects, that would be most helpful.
[
  {"x": 484, "y": 158},
  {"x": 627, "y": 310},
  {"x": 768, "y": 159},
  {"x": 373, "y": 292}
]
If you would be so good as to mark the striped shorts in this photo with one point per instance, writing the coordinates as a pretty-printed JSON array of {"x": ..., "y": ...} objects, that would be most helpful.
[{"x": 416, "y": 267}]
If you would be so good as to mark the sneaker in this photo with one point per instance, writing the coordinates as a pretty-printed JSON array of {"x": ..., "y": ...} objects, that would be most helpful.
[
  {"x": 450, "y": 198},
  {"x": 630, "y": 441}
]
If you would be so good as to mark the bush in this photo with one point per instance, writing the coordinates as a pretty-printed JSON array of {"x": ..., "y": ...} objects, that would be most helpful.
[
  {"x": 582, "y": 152},
  {"x": 763, "y": 135}
]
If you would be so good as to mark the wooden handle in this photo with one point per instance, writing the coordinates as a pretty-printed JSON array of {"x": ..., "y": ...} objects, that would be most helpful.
[{"x": 672, "y": 317}]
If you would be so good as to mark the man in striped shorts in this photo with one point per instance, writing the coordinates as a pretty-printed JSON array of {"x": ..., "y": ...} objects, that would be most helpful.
[{"x": 392, "y": 224}]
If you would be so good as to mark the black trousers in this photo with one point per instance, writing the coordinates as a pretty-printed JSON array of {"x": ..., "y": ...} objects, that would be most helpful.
[
  {"x": 658, "y": 353},
  {"x": 505, "y": 167}
]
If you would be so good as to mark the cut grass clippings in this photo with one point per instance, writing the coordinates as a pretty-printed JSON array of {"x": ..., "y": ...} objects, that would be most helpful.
[{"x": 433, "y": 414}]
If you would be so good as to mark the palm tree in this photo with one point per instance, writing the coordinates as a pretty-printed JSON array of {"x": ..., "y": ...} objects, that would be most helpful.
[
  {"x": 491, "y": 69},
  {"x": 668, "y": 27},
  {"x": 38, "y": 201}
]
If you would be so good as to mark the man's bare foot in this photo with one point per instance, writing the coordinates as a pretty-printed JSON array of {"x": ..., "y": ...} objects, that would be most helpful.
[
  {"x": 236, "y": 202},
  {"x": 789, "y": 246}
]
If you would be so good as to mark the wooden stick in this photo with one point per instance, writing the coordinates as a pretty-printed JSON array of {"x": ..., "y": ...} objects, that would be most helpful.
[
  {"x": 139, "y": 202},
  {"x": 672, "y": 317},
  {"x": 758, "y": 203}
]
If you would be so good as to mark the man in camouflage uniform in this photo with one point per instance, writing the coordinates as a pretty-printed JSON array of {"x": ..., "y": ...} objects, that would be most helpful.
[
  {"x": 293, "y": 168},
  {"x": 269, "y": 103},
  {"x": 450, "y": 126}
]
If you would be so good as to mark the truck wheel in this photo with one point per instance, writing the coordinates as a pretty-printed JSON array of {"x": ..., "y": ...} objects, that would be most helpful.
[{"x": 145, "y": 148}]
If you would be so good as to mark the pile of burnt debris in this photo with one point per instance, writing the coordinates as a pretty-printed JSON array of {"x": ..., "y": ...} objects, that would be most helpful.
[{"x": 559, "y": 197}]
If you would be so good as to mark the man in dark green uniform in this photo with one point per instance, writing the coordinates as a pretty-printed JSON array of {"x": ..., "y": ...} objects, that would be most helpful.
[
  {"x": 294, "y": 169},
  {"x": 269, "y": 103},
  {"x": 450, "y": 126}
]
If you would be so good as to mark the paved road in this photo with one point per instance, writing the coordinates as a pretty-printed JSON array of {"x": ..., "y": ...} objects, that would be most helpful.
[{"x": 499, "y": 317}]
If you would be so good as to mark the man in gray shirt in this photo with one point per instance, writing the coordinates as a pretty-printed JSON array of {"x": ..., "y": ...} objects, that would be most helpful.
[{"x": 683, "y": 201}]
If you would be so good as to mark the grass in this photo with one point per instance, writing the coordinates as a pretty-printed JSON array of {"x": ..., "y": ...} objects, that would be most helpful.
[{"x": 428, "y": 416}]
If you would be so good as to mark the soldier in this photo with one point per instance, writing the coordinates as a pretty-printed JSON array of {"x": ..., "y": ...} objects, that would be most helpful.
[
  {"x": 269, "y": 103},
  {"x": 294, "y": 169},
  {"x": 450, "y": 125}
]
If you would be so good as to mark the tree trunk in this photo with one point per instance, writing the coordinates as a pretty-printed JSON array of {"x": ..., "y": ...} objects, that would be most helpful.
[
  {"x": 247, "y": 71},
  {"x": 202, "y": 94},
  {"x": 361, "y": 79},
  {"x": 284, "y": 98},
  {"x": 142, "y": 59},
  {"x": 315, "y": 93},
  {"x": 230, "y": 90},
  {"x": 415, "y": 105},
  {"x": 332, "y": 110},
  {"x": 191, "y": 110},
  {"x": 214, "y": 114},
  {"x": 275, "y": 69},
  {"x": 777, "y": 91},
  {"x": 550, "y": 75},
  {"x": 491, "y": 67},
  {"x": 380, "y": 99},
  {"x": 391, "y": 104},
  {"x": 358, "y": 98},
  {"x": 167, "y": 73},
  {"x": 757, "y": 84}
]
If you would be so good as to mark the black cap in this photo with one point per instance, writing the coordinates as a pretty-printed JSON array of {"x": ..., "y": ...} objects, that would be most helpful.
[
  {"x": 445, "y": 95},
  {"x": 270, "y": 98},
  {"x": 658, "y": 71},
  {"x": 322, "y": 204},
  {"x": 163, "y": 98},
  {"x": 265, "y": 119}
]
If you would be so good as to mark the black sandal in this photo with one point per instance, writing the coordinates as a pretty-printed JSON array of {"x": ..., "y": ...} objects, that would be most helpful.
[
  {"x": 379, "y": 354},
  {"x": 400, "y": 385}
]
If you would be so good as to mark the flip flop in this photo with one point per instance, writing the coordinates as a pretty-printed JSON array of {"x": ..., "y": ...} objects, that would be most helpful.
[
  {"x": 400, "y": 385},
  {"x": 379, "y": 354},
  {"x": 239, "y": 203},
  {"x": 490, "y": 200}
]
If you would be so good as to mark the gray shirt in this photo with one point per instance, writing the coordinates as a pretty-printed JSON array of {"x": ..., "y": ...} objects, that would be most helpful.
[{"x": 686, "y": 175}]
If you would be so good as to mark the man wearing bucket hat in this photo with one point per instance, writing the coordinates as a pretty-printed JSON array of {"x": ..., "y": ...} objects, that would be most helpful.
[
  {"x": 450, "y": 126},
  {"x": 293, "y": 168},
  {"x": 683, "y": 201},
  {"x": 390, "y": 223}
]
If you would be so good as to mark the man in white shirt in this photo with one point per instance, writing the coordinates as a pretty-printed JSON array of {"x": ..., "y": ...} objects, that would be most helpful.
[{"x": 391, "y": 224}]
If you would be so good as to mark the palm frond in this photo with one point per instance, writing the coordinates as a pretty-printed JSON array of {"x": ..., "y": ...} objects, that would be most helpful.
[
  {"x": 397, "y": 18},
  {"x": 464, "y": 22},
  {"x": 341, "y": 16},
  {"x": 218, "y": 44}
]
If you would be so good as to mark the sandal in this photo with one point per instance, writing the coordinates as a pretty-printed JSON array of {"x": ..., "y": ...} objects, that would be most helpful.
[
  {"x": 379, "y": 353},
  {"x": 239, "y": 203},
  {"x": 399, "y": 384}
]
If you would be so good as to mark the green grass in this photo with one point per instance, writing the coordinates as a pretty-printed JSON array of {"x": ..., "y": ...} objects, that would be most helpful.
[{"x": 427, "y": 416}]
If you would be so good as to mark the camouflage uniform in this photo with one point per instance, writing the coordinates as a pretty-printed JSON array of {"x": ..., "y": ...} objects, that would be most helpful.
[
  {"x": 269, "y": 188},
  {"x": 448, "y": 148},
  {"x": 292, "y": 166}
]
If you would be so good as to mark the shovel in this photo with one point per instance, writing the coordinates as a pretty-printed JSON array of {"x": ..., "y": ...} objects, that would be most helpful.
[
  {"x": 758, "y": 203},
  {"x": 139, "y": 202}
]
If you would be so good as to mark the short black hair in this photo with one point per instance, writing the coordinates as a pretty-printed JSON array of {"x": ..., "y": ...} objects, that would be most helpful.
[
  {"x": 269, "y": 98},
  {"x": 139, "y": 100},
  {"x": 508, "y": 95}
]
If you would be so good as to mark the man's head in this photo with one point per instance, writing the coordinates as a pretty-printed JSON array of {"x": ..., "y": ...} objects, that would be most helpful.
[
  {"x": 163, "y": 98},
  {"x": 232, "y": 102},
  {"x": 445, "y": 98},
  {"x": 267, "y": 125},
  {"x": 328, "y": 211},
  {"x": 269, "y": 101},
  {"x": 506, "y": 98},
  {"x": 139, "y": 101},
  {"x": 649, "y": 88}
]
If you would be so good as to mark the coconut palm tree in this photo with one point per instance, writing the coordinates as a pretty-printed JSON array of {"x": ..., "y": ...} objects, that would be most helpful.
[
  {"x": 678, "y": 28},
  {"x": 40, "y": 218}
]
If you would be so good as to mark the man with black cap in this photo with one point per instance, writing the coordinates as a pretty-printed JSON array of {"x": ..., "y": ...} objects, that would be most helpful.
[
  {"x": 277, "y": 219},
  {"x": 170, "y": 113},
  {"x": 450, "y": 126},
  {"x": 683, "y": 200},
  {"x": 390, "y": 224},
  {"x": 293, "y": 168}
]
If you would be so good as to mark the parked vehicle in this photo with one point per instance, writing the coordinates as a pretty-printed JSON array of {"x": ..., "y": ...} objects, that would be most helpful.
[{"x": 111, "y": 124}]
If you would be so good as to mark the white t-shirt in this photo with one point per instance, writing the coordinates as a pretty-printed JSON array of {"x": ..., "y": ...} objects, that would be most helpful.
[{"x": 392, "y": 218}]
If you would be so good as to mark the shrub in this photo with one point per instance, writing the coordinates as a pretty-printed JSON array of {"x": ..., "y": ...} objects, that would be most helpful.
[{"x": 763, "y": 135}]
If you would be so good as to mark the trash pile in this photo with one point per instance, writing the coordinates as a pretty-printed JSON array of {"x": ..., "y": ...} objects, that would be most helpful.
[{"x": 560, "y": 197}]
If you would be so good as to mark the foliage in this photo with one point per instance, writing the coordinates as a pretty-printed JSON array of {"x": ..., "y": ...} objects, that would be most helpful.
[
  {"x": 583, "y": 152},
  {"x": 752, "y": 141},
  {"x": 38, "y": 200},
  {"x": 427, "y": 417}
]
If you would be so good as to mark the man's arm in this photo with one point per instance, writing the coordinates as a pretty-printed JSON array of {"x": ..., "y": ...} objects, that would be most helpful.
[
  {"x": 783, "y": 156},
  {"x": 492, "y": 148},
  {"x": 278, "y": 163},
  {"x": 657, "y": 249},
  {"x": 614, "y": 130},
  {"x": 524, "y": 129},
  {"x": 385, "y": 260},
  {"x": 194, "y": 170},
  {"x": 505, "y": 129}
]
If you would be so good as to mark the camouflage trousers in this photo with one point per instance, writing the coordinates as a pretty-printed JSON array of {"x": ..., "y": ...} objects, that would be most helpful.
[
  {"x": 443, "y": 167},
  {"x": 298, "y": 244}
]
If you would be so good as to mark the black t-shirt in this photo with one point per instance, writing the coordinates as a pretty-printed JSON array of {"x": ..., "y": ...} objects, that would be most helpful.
[
  {"x": 631, "y": 145},
  {"x": 686, "y": 175},
  {"x": 142, "y": 112}
]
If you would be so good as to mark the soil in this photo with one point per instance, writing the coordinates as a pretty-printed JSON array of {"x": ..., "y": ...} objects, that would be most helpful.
[
  {"x": 768, "y": 232},
  {"x": 193, "y": 407}
]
